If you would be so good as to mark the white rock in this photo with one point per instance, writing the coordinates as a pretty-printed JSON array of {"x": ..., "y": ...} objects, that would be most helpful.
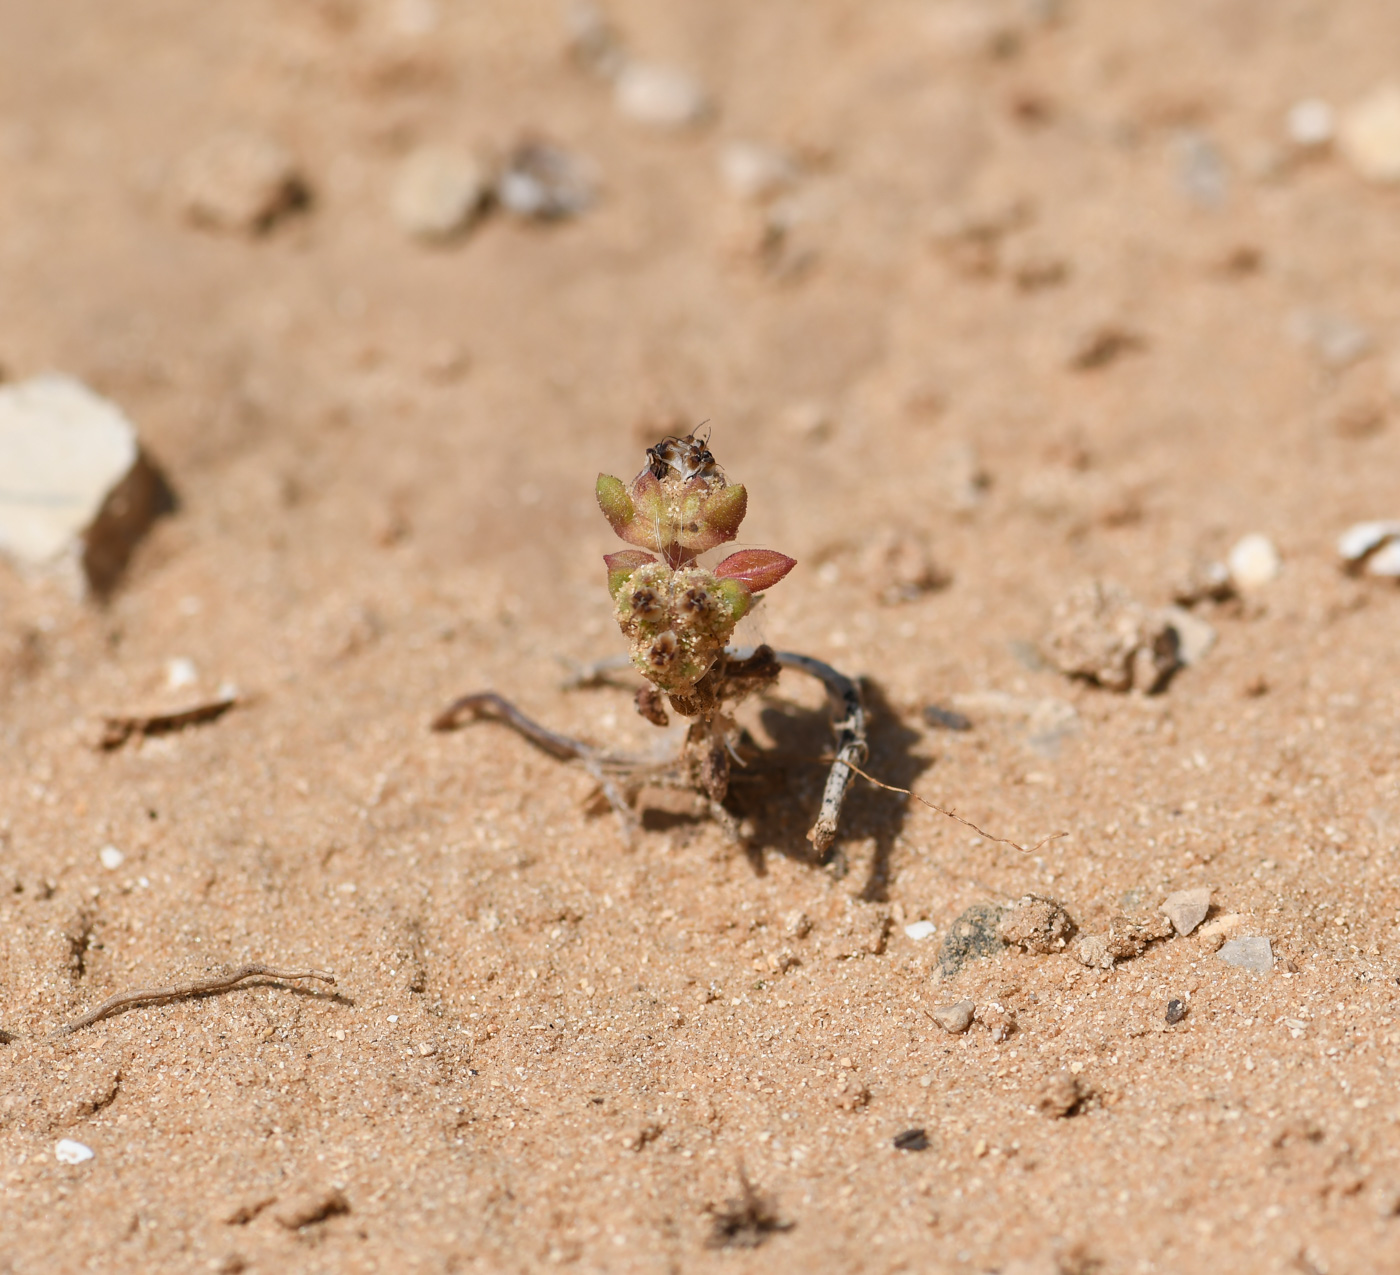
[
  {"x": 1385, "y": 561},
  {"x": 111, "y": 857},
  {"x": 754, "y": 171},
  {"x": 240, "y": 182},
  {"x": 180, "y": 673},
  {"x": 437, "y": 193},
  {"x": 920, "y": 930},
  {"x": 1186, "y": 909},
  {"x": 69, "y": 1152},
  {"x": 660, "y": 96},
  {"x": 1195, "y": 636},
  {"x": 543, "y": 181},
  {"x": 954, "y": 1018},
  {"x": 75, "y": 488},
  {"x": 1311, "y": 123},
  {"x": 1364, "y": 537},
  {"x": 1248, "y": 954},
  {"x": 1369, "y": 135},
  {"x": 1254, "y": 562}
]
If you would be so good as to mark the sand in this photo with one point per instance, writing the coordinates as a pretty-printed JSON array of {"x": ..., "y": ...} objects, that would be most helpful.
[{"x": 1029, "y": 317}]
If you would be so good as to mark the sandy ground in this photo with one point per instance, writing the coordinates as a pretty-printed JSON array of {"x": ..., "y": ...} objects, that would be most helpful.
[{"x": 545, "y": 1047}]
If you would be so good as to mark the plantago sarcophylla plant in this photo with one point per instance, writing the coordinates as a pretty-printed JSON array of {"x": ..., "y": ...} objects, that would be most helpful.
[
  {"x": 676, "y": 615},
  {"x": 678, "y": 618}
]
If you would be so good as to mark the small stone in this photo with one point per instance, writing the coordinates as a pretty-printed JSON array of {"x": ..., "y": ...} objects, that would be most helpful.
[
  {"x": 920, "y": 930},
  {"x": 1254, "y": 562},
  {"x": 753, "y": 171},
  {"x": 438, "y": 192},
  {"x": 1311, "y": 123},
  {"x": 240, "y": 182},
  {"x": 69, "y": 1152},
  {"x": 76, "y": 490},
  {"x": 1369, "y": 135},
  {"x": 1249, "y": 954},
  {"x": 1101, "y": 634},
  {"x": 1176, "y": 1011},
  {"x": 1372, "y": 547},
  {"x": 1194, "y": 636},
  {"x": 180, "y": 673},
  {"x": 111, "y": 858},
  {"x": 659, "y": 96},
  {"x": 311, "y": 1207},
  {"x": 911, "y": 1140},
  {"x": 1213, "y": 934},
  {"x": 946, "y": 718},
  {"x": 1385, "y": 561},
  {"x": 954, "y": 1019},
  {"x": 972, "y": 935},
  {"x": 798, "y": 925},
  {"x": 1187, "y": 908},
  {"x": 1206, "y": 582},
  {"x": 1335, "y": 340},
  {"x": 544, "y": 182},
  {"x": 1061, "y": 1095},
  {"x": 1037, "y": 925}
]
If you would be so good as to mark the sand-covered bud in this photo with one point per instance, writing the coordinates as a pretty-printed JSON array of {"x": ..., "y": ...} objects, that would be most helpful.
[{"x": 621, "y": 565}]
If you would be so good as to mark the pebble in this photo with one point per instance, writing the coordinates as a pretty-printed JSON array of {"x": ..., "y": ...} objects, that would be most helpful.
[
  {"x": 956, "y": 1018},
  {"x": 911, "y": 1140},
  {"x": 920, "y": 930},
  {"x": 1248, "y": 954},
  {"x": 1194, "y": 636},
  {"x": 1311, "y": 123},
  {"x": 946, "y": 718},
  {"x": 1254, "y": 562},
  {"x": 1336, "y": 340},
  {"x": 69, "y": 1152},
  {"x": 659, "y": 96},
  {"x": 1369, "y": 135},
  {"x": 544, "y": 181},
  {"x": 1372, "y": 546},
  {"x": 180, "y": 673},
  {"x": 1061, "y": 1095},
  {"x": 76, "y": 491},
  {"x": 754, "y": 171},
  {"x": 1176, "y": 1011},
  {"x": 1186, "y": 909},
  {"x": 1103, "y": 635},
  {"x": 240, "y": 182},
  {"x": 438, "y": 192},
  {"x": 111, "y": 858}
]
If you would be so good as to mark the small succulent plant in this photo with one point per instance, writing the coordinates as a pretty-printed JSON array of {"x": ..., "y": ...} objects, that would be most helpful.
[{"x": 676, "y": 615}]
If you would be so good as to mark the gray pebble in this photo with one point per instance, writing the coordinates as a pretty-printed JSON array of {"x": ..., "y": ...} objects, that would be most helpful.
[
  {"x": 946, "y": 718},
  {"x": 955, "y": 1018},
  {"x": 1176, "y": 1011},
  {"x": 1187, "y": 908},
  {"x": 543, "y": 181},
  {"x": 437, "y": 193},
  {"x": 974, "y": 934},
  {"x": 1248, "y": 954}
]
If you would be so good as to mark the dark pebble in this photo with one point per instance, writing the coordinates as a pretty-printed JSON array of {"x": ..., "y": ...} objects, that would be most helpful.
[
  {"x": 946, "y": 719},
  {"x": 1176, "y": 1011},
  {"x": 911, "y": 1140}
]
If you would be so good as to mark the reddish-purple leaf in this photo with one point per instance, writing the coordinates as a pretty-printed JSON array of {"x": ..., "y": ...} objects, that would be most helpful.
[{"x": 756, "y": 569}]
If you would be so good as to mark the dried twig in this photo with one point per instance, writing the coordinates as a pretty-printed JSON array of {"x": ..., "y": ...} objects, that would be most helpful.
[
  {"x": 200, "y": 987},
  {"x": 952, "y": 814},
  {"x": 118, "y": 728}
]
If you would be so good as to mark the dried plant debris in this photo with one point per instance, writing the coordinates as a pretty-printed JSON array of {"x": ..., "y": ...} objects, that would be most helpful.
[
  {"x": 911, "y": 1140},
  {"x": 1036, "y": 925},
  {"x": 747, "y": 1220},
  {"x": 117, "y": 729},
  {"x": 1101, "y": 634},
  {"x": 1124, "y": 940},
  {"x": 1371, "y": 548}
]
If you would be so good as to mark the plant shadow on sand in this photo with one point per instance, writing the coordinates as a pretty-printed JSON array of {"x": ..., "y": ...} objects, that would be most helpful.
[{"x": 779, "y": 791}]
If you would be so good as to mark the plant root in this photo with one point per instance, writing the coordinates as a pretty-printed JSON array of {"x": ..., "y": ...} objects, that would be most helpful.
[{"x": 200, "y": 987}]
